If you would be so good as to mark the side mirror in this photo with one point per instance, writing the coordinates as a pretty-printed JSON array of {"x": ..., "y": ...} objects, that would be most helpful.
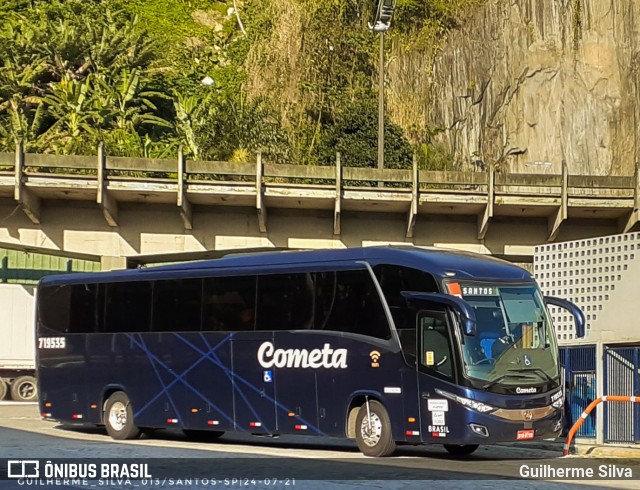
[
  {"x": 578, "y": 315},
  {"x": 460, "y": 306}
]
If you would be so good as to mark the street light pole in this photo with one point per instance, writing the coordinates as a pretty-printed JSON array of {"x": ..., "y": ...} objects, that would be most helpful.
[
  {"x": 381, "y": 24},
  {"x": 381, "y": 105}
]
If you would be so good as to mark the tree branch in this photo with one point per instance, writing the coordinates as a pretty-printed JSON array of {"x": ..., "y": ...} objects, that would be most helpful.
[{"x": 235, "y": 10}]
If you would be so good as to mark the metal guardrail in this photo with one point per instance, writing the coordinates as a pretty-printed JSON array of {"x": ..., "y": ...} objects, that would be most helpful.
[
  {"x": 163, "y": 170},
  {"x": 587, "y": 412},
  {"x": 31, "y": 176}
]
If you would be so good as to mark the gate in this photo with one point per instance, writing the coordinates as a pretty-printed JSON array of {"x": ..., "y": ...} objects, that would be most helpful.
[
  {"x": 579, "y": 369},
  {"x": 621, "y": 378}
]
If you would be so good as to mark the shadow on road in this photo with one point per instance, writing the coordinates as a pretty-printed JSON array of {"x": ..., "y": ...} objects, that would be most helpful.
[
  {"x": 170, "y": 457},
  {"x": 312, "y": 443}
]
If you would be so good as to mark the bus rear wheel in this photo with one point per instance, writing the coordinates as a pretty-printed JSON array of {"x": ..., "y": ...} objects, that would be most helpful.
[
  {"x": 24, "y": 389},
  {"x": 118, "y": 417},
  {"x": 373, "y": 430},
  {"x": 460, "y": 449}
]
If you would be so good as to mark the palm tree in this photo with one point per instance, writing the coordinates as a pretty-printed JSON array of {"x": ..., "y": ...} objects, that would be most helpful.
[
  {"x": 114, "y": 45},
  {"x": 75, "y": 118},
  {"x": 127, "y": 107},
  {"x": 20, "y": 100},
  {"x": 22, "y": 121},
  {"x": 190, "y": 115}
]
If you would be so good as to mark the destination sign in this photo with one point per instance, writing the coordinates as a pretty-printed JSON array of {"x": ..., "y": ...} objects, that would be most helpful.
[{"x": 475, "y": 290}]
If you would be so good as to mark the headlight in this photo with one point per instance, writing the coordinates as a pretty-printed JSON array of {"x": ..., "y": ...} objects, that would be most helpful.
[{"x": 472, "y": 404}]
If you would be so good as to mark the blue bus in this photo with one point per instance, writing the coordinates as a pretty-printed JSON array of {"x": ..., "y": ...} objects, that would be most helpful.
[{"x": 384, "y": 345}]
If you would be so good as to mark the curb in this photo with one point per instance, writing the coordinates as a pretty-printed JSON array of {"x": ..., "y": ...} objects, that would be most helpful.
[
  {"x": 607, "y": 451},
  {"x": 578, "y": 448}
]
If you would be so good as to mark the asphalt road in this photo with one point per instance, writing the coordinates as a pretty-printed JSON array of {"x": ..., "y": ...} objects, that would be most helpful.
[{"x": 286, "y": 462}]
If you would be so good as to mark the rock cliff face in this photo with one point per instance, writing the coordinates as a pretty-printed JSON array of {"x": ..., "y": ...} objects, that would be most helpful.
[{"x": 530, "y": 83}]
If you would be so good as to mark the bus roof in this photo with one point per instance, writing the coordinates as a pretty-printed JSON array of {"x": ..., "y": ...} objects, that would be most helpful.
[{"x": 439, "y": 262}]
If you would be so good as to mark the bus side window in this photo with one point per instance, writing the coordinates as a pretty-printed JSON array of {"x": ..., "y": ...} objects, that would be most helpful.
[
  {"x": 229, "y": 303},
  {"x": 285, "y": 302},
  {"x": 128, "y": 307},
  {"x": 85, "y": 314},
  {"x": 72, "y": 308},
  {"x": 396, "y": 278},
  {"x": 435, "y": 342},
  {"x": 177, "y": 305},
  {"x": 348, "y": 301},
  {"x": 54, "y": 307}
]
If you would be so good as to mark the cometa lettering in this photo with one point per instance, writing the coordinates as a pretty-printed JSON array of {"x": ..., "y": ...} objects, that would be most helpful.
[
  {"x": 526, "y": 390},
  {"x": 269, "y": 356}
]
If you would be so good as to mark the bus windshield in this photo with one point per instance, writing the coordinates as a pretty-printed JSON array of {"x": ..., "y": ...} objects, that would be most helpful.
[{"x": 514, "y": 343}]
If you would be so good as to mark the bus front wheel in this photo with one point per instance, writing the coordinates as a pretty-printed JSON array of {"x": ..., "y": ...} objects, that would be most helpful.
[
  {"x": 373, "y": 430},
  {"x": 460, "y": 449},
  {"x": 118, "y": 417}
]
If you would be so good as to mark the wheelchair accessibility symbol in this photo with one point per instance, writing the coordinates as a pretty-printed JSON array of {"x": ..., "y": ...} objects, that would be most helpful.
[{"x": 267, "y": 377}]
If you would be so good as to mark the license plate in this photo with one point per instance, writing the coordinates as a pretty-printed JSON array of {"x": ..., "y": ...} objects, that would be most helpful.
[{"x": 524, "y": 435}]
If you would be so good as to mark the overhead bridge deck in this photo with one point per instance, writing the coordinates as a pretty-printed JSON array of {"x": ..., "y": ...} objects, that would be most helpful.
[{"x": 497, "y": 210}]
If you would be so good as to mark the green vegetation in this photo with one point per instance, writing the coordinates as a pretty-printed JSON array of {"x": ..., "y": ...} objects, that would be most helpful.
[{"x": 295, "y": 79}]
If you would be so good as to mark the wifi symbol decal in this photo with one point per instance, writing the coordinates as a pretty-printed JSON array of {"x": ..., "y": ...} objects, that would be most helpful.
[{"x": 375, "y": 357}]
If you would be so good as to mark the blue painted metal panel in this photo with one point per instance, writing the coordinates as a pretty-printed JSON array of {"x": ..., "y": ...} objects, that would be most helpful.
[
  {"x": 580, "y": 386},
  {"x": 254, "y": 398}
]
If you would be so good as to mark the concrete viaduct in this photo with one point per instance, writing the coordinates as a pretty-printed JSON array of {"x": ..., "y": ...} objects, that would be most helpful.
[{"x": 128, "y": 209}]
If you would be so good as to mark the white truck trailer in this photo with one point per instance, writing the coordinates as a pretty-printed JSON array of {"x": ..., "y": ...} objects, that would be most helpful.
[{"x": 17, "y": 343}]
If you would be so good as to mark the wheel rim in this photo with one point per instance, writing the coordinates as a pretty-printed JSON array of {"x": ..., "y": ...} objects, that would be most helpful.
[
  {"x": 118, "y": 416},
  {"x": 371, "y": 429},
  {"x": 27, "y": 390}
]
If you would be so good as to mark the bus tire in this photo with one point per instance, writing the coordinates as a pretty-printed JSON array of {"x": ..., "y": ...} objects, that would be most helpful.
[
  {"x": 4, "y": 389},
  {"x": 118, "y": 417},
  {"x": 373, "y": 435},
  {"x": 24, "y": 389},
  {"x": 202, "y": 435},
  {"x": 460, "y": 449}
]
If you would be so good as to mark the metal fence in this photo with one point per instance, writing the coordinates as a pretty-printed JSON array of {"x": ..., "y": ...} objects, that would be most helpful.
[
  {"x": 621, "y": 378},
  {"x": 579, "y": 368}
]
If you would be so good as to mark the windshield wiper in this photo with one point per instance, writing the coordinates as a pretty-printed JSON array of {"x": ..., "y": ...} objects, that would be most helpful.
[
  {"x": 538, "y": 371},
  {"x": 500, "y": 378},
  {"x": 520, "y": 373}
]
